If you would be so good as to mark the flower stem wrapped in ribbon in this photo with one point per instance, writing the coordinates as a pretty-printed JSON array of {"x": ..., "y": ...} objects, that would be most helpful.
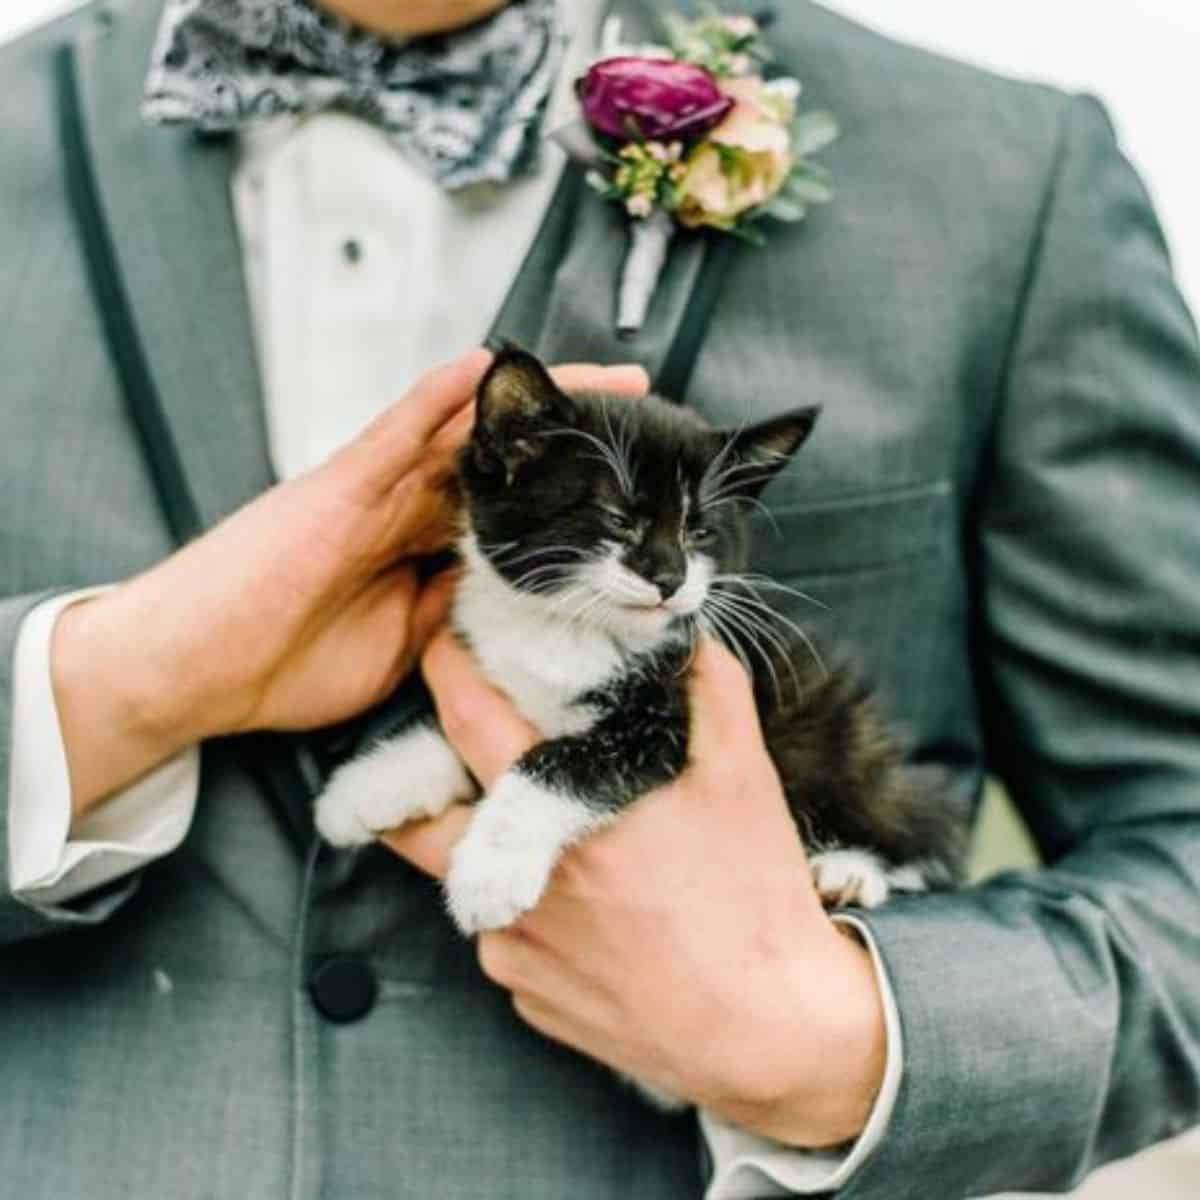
[{"x": 692, "y": 134}]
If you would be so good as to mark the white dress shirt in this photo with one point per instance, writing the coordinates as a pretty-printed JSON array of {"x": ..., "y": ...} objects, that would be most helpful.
[{"x": 361, "y": 274}]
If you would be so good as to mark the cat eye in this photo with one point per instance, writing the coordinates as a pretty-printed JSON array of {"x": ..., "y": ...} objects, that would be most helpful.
[
  {"x": 702, "y": 533},
  {"x": 619, "y": 522}
]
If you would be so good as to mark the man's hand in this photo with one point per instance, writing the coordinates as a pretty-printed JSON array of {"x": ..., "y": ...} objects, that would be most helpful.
[
  {"x": 301, "y": 609},
  {"x": 686, "y": 944}
]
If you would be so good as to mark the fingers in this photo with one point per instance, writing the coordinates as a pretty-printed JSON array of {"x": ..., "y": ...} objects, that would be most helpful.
[
  {"x": 438, "y": 408},
  {"x": 395, "y": 441},
  {"x": 721, "y": 696},
  {"x": 428, "y": 844},
  {"x": 479, "y": 721},
  {"x": 627, "y": 379}
]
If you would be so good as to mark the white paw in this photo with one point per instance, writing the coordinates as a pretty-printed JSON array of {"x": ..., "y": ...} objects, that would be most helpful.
[
  {"x": 412, "y": 776},
  {"x": 502, "y": 865},
  {"x": 489, "y": 887},
  {"x": 850, "y": 877}
]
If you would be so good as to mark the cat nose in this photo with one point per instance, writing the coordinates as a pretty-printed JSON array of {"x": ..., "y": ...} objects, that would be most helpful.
[{"x": 668, "y": 580}]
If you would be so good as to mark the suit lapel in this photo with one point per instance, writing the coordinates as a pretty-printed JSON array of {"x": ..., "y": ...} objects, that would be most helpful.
[{"x": 163, "y": 196}]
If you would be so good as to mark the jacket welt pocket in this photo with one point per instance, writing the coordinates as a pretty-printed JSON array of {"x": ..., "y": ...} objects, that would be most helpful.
[{"x": 830, "y": 537}]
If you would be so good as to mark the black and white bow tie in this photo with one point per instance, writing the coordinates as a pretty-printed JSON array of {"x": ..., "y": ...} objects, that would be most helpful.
[{"x": 464, "y": 107}]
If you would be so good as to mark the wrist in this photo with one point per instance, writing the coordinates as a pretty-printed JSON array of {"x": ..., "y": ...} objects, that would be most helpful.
[
  {"x": 819, "y": 1050},
  {"x": 121, "y": 706}
]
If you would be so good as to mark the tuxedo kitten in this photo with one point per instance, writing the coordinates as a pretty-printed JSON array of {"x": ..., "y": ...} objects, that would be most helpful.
[{"x": 602, "y": 535}]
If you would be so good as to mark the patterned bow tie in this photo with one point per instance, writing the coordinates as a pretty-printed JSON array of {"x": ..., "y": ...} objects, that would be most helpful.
[{"x": 464, "y": 107}]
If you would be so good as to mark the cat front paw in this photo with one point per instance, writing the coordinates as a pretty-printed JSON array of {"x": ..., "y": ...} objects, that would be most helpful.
[
  {"x": 487, "y": 888},
  {"x": 850, "y": 877},
  {"x": 502, "y": 865},
  {"x": 407, "y": 778}
]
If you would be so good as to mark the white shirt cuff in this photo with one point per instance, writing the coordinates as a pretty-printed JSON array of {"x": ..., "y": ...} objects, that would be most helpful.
[
  {"x": 745, "y": 1165},
  {"x": 52, "y": 861}
]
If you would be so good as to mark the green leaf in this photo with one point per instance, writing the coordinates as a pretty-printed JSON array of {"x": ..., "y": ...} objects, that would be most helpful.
[
  {"x": 812, "y": 131},
  {"x": 745, "y": 231},
  {"x": 807, "y": 169},
  {"x": 784, "y": 209},
  {"x": 676, "y": 30},
  {"x": 806, "y": 190}
]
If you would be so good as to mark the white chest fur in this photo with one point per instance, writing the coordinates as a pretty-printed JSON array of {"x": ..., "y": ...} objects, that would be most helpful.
[{"x": 541, "y": 661}]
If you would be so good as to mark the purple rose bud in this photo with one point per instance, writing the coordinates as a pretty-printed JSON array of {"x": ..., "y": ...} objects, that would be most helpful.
[{"x": 651, "y": 98}]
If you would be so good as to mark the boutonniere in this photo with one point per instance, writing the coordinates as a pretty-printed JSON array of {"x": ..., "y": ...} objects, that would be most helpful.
[{"x": 693, "y": 133}]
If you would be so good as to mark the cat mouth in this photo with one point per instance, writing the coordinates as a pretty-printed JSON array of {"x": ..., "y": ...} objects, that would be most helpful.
[
  {"x": 655, "y": 611},
  {"x": 657, "y": 608}
]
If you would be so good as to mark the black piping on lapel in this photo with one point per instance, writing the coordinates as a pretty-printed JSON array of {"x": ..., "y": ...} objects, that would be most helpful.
[
  {"x": 521, "y": 310},
  {"x": 163, "y": 196},
  {"x": 112, "y": 303},
  {"x": 676, "y": 371},
  {"x": 282, "y": 765}
]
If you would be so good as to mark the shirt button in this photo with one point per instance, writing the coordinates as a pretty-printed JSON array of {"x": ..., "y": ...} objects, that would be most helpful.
[
  {"x": 343, "y": 988},
  {"x": 352, "y": 250}
]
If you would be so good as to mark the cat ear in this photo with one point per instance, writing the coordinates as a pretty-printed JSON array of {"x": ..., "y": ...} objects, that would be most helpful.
[
  {"x": 746, "y": 461},
  {"x": 516, "y": 402},
  {"x": 518, "y": 390}
]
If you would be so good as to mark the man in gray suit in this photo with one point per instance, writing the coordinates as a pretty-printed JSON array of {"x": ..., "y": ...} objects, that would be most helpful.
[{"x": 996, "y": 511}]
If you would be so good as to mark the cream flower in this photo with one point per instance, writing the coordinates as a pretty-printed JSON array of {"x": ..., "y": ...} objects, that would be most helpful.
[{"x": 742, "y": 163}]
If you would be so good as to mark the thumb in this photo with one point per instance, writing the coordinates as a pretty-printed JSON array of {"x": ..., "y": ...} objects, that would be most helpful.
[
  {"x": 398, "y": 439},
  {"x": 721, "y": 698}
]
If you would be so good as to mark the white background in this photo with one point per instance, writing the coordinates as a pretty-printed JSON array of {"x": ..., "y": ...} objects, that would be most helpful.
[{"x": 1140, "y": 56}]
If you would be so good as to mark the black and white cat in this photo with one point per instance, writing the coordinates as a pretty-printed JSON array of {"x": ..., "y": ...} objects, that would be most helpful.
[{"x": 602, "y": 535}]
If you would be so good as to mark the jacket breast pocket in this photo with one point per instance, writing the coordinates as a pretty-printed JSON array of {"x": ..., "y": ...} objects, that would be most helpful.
[{"x": 873, "y": 581}]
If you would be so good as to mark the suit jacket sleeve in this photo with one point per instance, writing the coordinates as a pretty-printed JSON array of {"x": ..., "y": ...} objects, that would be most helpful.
[{"x": 1051, "y": 1019}]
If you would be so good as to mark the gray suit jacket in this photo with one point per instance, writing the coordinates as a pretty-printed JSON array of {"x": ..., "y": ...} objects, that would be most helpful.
[{"x": 998, "y": 509}]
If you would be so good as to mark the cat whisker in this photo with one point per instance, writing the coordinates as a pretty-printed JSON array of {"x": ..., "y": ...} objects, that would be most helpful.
[
  {"x": 757, "y": 631},
  {"x": 752, "y": 601},
  {"x": 535, "y": 575},
  {"x": 754, "y": 502},
  {"x": 717, "y": 471},
  {"x": 761, "y": 614},
  {"x": 622, "y": 443},
  {"x": 773, "y": 614},
  {"x": 494, "y": 548},
  {"x": 608, "y": 455},
  {"x": 753, "y": 580},
  {"x": 578, "y": 602},
  {"x": 693, "y": 626},
  {"x": 729, "y": 637},
  {"x": 570, "y": 553},
  {"x": 736, "y": 477}
]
